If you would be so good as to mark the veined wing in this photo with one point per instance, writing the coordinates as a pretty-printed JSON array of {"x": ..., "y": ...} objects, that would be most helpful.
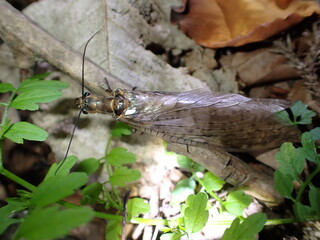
[{"x": 204, "y": 118}]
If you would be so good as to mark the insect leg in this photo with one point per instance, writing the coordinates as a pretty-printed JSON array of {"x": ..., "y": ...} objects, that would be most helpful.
[{"x": 107, "y": 85}]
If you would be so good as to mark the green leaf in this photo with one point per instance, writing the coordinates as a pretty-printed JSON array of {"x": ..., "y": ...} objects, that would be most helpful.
[
  {"x": 171, "y": 236},
  {"x": 119, "y": 156},
  {"x": 89, "y": 166},
  {"x": 30, "y": 100},
  {"x": 247, "y": 230},
  {"x": 195, "y": 214},
  {"x": 113, "y": 230},
  {"x": 300, "y": 110},
  {"x": 121, "y": 129},
  {"x": 137, "y": 206},
  {"x": 309, "y": 148},
  {"x": 34, "y": 91},
  {"x": 185, "y": 162},
  {"x": 283, "y": 184},
  {"x": 291, "y": 160},
  {"x": 188, "y": 164},
  {"x": 56, "y": 188},
  {"x": 182, "y": 190},
  {"x": 314, "y": 198},
  {"x": 122, "y": 175},
  {"x": 27, "y": 131},
  {"x": 236, "y": 202},
  {"x": 37, "y": 77},
  {"x": 51, "y": 223},
  {"x": 302, "y": 212},
  {"x": 212, "y": 182},
  {"x": 90, "y": 193},
  {"x": 300, "y": 113},
  {"x": 64, "y": 169},
  {"x": 30, "y": 85},
  {"x": 6, "y": 126},
  {"x": 315, "y": 133},
  {"x": 6, "y": 87},
  {"x": 6, "y": 212}
]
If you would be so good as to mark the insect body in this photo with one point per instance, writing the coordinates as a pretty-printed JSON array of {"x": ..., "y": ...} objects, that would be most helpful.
[{"x": 198, "y": 117}]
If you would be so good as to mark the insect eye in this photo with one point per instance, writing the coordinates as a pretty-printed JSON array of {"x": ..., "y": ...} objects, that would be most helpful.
[
  {"x": 86, "y": 94},
  {"x": 85, "y": 103},
  {"x": 84, "y": 111}
]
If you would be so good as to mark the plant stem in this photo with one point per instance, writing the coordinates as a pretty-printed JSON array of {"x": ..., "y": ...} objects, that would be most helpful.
[
  {"x": 1, "y": 162},
  {"x": 307, "y": 182},
  {"x": 211, "y": 193},
  {"x": 108, "y": 145},
  {"x": 6, "y": 109},
  {"x": 17, "y": 179}
]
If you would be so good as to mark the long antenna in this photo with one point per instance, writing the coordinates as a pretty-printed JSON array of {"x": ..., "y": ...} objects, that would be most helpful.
[
  {"x": 69, "y": 144},
  {"x": 81, "y": 110},
  {"x": 83, "y": 57}
]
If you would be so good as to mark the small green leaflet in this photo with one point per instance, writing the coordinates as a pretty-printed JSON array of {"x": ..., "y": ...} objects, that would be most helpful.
[
  {"x": 89, "y": 166},
  {"x": 314, "y": 198},
  {"x": 64, "y": 169},
  {"x": 121, "y": 129},
  {"x": 7, "y": 211},
  {"x": 38, "y": 76},
  {"x": 291, "y": 160},
  {"x": 236, "y": 202},
  {"x": 113, "y": 230},
  {"x": 90, "y": 193},
  {"x": 119, "y": 156},
  {"x": 247, "y": 230},
  {"x": 56, "y": 188},
  {"x": 137, "y": 206},
  {"x": 212, "y": 182},
  {"x": 6, "y": 87},
  {"x": 24, "y": 130},
  {"x": 4, "y": 128},
  {"x": 309, "y": 147},
  {"x": 122, "y": 175},
  {"x": 283, "y": 184},
  {"x": 182, "y": 190},
  {"x": 51, "y": 223},
  {"x": 300, "y": 113},
  {"x": 32, "y": 92},
  {"x": 171, "y": 236},
  {"x": 188, "y": 164},
  {"x": 315, "y": 133},
  {"x": 30, "y": 84},
  {"x": 195, "y": 213},
  {"x": 302, "y": 211},
  {"x": 30, "y": 100}
]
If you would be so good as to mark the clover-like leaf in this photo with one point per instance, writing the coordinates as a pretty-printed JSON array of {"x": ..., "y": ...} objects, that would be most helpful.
[
  {"x": 195, "y": 213},
  {"x": 236, "y": 202},
  {"x": 122, "y": 175},
  {"x": 51, "y": 223},
  {"x": 247, "y": 230},
  {"x": 119, "y": 156},
  {"x": 56, "y": 188},
  {"x": 137, "y": 206},
  {"x": 24, "y": 130}
]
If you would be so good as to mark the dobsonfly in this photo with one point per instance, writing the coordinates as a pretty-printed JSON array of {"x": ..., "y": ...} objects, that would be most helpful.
[{"x": 195, "y": 118}]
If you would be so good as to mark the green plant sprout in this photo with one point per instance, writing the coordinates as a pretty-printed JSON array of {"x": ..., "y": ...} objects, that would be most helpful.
[{"x": 36, "y": 203}]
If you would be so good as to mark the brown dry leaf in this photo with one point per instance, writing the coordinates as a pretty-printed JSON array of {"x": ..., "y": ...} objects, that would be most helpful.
[
  {"x": 259, "y": 66},
  {"x": 223, "y": 23}
]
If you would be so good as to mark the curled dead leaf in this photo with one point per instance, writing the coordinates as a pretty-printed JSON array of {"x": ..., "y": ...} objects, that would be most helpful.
[{"x": 227, "y": 23}]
